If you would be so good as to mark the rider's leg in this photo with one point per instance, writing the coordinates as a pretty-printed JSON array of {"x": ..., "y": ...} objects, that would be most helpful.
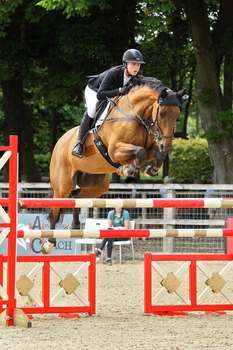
[
  {"x": 91, "y": 99},
  {"x": 82, "y": 134}
]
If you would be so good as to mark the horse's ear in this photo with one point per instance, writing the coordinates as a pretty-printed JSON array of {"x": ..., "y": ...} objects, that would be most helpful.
[
  {"x": 180, "y": 93},
  {"x": 163, "y": 94}
]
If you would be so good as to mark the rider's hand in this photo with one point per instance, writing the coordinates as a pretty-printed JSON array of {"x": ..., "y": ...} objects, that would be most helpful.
[{"x": 124, "y": 90}]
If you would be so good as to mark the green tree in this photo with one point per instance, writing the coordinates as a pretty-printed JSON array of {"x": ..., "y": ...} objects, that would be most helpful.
[
  {"x": 166, "y": 40},
  {"x": 210, "y": 29},
  {"x": 44, "y": 59},
  {"x": 45, "y": 56}
]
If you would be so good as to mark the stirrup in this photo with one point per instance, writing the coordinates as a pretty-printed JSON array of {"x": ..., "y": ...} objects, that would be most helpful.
[{"x": 75, "y": 151}]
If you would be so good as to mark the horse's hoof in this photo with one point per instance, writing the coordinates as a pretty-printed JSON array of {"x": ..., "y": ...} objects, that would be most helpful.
[
  {"x": 47, "y": 247},
  {"x": 123, "y": 170},
  {"x": 145, "y": 170},
  {"x": 120, "y": 171},
  {"x": 72, "y": 227}
]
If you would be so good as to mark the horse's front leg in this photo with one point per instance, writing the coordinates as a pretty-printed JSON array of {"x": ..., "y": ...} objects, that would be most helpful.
[
  {"x": 153, "y": 169},
  {"x": 132, "y": 156},
  {"x": 154, "y": 163},
  {"x": 129, "y": 169}
]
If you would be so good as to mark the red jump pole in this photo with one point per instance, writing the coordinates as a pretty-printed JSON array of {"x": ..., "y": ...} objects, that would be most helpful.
[{"x": 13, "y": 200}]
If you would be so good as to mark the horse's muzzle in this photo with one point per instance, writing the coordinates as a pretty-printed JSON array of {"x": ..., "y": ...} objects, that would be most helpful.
[
  {"x": 161, "y": 156},
  {"x": 161, "y": 153},
  {"x": 164, "y": 148}
]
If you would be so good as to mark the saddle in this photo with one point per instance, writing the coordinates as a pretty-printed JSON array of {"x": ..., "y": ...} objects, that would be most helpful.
[{"x": 100, "y": 107}]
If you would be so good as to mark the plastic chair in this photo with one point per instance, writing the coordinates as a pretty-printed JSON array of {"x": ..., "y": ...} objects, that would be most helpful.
[
  {"x": 96, "y": 224},
  {"x": 127, "y": 242},
  {"x": 91, "y": 224}
]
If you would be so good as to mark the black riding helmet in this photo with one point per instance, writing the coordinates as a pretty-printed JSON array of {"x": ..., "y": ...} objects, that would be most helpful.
[{"x": 132, "y": 55}]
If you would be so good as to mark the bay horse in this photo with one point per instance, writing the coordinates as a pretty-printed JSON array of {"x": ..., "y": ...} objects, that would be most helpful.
[{"x": 138, "y": 129}]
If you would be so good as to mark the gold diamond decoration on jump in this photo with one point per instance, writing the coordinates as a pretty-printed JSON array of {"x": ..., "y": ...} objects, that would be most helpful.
[
  {"x": 24, "y": 285},
  {"x": 69, "y": 283},
  {"x": 171, "y": 282},
  {"x": 216, "y": 282}
]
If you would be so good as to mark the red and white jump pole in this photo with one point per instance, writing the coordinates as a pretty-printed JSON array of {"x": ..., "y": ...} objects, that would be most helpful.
[
  {"x": 135, "y": 233},
  {"x": 127, "y": 203}
]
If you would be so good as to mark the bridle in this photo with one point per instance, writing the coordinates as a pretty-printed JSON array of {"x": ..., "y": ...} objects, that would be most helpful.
[
  {"x": 166, "y": 97},
  {"x": 158, "y": 135},
  {"x": 158, "y": 129}
]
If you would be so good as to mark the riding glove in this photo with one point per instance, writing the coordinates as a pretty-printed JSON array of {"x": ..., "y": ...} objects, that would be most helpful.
[{"x": 124, "y": 90}]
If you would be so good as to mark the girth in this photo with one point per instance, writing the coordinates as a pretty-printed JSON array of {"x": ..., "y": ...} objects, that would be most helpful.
[{"x": 103, "y": 149}]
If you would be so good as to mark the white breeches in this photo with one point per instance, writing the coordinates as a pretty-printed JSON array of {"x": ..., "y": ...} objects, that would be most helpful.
[{"x": 91, "y": 100}]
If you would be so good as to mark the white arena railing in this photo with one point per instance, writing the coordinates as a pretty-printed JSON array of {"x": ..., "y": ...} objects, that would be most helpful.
[{"x": 150, "y": 218}]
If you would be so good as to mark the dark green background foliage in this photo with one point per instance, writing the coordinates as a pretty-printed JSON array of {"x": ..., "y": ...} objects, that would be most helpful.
[
  {"x": 42, "y": 161},
  {"x": 190, "y": 160}
]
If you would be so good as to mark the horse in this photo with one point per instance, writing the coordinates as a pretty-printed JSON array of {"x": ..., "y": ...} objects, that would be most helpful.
[{"x": 138, "y": 129}]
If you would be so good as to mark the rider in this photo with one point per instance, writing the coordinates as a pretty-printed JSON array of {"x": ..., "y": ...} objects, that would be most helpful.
[{"x": 111, "y": 83}]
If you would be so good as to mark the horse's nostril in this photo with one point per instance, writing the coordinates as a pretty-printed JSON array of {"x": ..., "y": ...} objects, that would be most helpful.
[{"x": 161, "y": 147}]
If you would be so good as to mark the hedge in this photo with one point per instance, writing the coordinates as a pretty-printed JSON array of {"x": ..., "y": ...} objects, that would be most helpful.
[{"x": 190, "y": 159}]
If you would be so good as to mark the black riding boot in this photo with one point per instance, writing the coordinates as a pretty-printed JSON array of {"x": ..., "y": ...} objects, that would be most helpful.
[{"x": 82, "y": 134}]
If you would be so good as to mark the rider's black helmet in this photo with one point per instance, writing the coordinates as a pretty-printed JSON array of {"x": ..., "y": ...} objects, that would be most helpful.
[{"x": 133, "y": 55}]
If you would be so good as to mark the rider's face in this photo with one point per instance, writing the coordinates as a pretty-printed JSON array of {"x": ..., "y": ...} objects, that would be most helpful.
[{"x": 133, "y": 68}]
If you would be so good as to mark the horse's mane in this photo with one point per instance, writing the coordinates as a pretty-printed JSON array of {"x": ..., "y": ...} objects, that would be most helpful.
[{"x": 153, "y": 83}]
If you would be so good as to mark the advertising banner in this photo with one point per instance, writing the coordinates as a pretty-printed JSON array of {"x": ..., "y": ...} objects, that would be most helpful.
[{"x": 31, "y": 246}]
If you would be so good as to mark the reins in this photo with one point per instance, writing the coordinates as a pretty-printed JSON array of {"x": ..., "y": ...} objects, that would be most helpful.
[
  {"x": 137, "y": 118},
  {"x": 147, "y": 124},
  {"x": 158, "y": 135}
]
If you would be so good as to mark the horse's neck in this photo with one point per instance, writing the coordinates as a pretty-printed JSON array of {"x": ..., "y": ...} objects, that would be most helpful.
[{"x": 140, "y": 102}]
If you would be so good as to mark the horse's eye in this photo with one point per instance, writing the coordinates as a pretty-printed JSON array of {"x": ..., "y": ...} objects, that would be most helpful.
[{"x": 162, "y": 114}]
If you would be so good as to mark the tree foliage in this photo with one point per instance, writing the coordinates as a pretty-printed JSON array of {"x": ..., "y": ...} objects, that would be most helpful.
[
  {"x": 48, "y": 48},
  {"x": 74, "y": 7},
  {"x": 44, "y": 60}
]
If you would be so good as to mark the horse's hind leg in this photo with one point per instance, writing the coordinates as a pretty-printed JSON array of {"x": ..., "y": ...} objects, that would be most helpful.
[
  {"x": 91, "y": 186},
  {"x": 54, "y": 217},
  {"x": 98, "y": 184},
  {"x": 60, "y": 192}
]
